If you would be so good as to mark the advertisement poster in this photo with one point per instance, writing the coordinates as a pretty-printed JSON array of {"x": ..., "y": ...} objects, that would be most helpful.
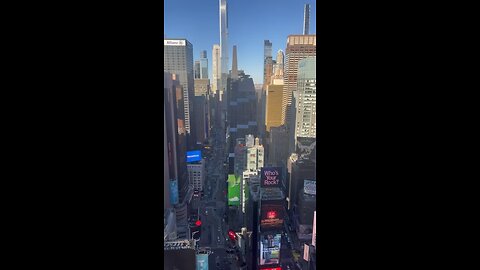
[
  {"x": 271, "y": 216},
  {"x": 310, "y": 187},
  {"x": 270, "y": 249},
  {"x": 307, "y": 148},
  {"x": 271, "y": 176},
  {"x": 173, "y": 191},
  {"x": 202, "y": 262},
  {"x": 233, "y": 190}
]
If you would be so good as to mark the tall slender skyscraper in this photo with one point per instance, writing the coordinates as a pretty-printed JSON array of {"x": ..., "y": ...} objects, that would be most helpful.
[
  {"x": 216, "y": 72},
  {"x": 267, "y": 63},
  {"x": 203, "y": 65},
  {"x": 223, "y": 44},
  {"x": 306, "y": 19},
  {"x": 234, "y": 63}
]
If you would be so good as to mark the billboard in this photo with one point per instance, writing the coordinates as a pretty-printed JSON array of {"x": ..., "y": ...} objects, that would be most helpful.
[
  {"x": 310, "y": 187},
  {"x": 233, "y": 190},
  {"x": 271, "y": 176},
  {"x": 193, "y": 156},
  {"x": 307, "y": 148},
  {"x": 202, "y": 262},
  {"x": 173, "y": 42},
  {"x": 271, "y": 215},
  {"x": 270, "y": 248},
  {"x": 173, "y": 191}
]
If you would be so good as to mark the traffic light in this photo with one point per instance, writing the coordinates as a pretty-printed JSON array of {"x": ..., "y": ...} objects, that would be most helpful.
[
  {"x": 196, "y": 230},
  {"x": 232, "y": 235}
]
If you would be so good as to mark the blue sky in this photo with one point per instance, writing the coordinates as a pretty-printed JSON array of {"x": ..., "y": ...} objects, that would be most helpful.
[{"x": 250, "y": 22}]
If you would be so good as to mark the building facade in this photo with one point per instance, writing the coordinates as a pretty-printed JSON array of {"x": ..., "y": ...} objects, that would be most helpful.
[
  {"x": 178, "y": 59},
  {"x": 196, "y": 174},
  {"x": 306, "y": 103}
]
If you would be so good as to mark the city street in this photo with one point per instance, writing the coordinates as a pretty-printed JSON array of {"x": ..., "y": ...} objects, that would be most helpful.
[{"x": 212, "y": 208}]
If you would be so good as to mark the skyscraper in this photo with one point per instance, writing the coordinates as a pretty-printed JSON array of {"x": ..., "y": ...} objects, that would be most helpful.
[
  {"x": 234, "y": 64},
  {"x": 274, "y": 96},
  {"x": 267, "y": 63},
  {"x": 306, "y": 19},
  {"x": 223, "y": 44},
  {"x": 203, "y": 65},
  {"x": 298, "y": 47},
  {"x": 216, "y": 72},
  {"x": 178, "y": 59},
  {"x": 307, "y": 99},
  {"x": 196, "y": 70}
]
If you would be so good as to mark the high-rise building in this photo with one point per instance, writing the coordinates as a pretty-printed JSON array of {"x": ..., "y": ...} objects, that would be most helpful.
[
  {"x": 255, "y": 156},
  {"x": 178, "y": 59},
  {"x": 298, "y": 48},
  {"x": 267, "y": 63},
  {"x": 200, "y": 118},
  {"x": 203, "y": 65},
  {"x": 307, "y": 99},
  {"x": 196, "y": 174},
  {"x": 274, "y": 96},
  {"x": 306, "y": 19},
  {"x": 216, "y": 71},
  {"x": 202, "y": 87},
  {"x": 277, "y": 150},
  {"x": 234, "y": 74},
  {"x": 223, "y": 20},
  {"x": 196, "y": 70}
]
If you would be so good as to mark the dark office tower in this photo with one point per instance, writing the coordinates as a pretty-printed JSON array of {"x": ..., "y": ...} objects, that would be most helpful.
[
  {"x": 199, "y": 117},
  {"x": 234, "y": 64},
  {"x": 203, "y": 65},
  {"x": 197, "y": 70},
  {"x": 267, "y": 63},
  {"x": 178, "y": 59},
  {"x": 306, "y": 19},
  {"x": 178, "y": 134},
  {"x": 242, "y": 109}
]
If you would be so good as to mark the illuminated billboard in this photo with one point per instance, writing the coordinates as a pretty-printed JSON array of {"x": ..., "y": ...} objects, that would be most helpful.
[
  {"x": 270, "y": 248},
  {"x": 310, "y": 187},
  {"x": 233, "y": 190},
  {"x": 193, "y": 156},
  {"x": 307, "y": 148},
  {"x": 173, "y": 191},
  {"x": 271, "y": 215},
  {"x": 202, "y": 262},
  {"x": 271, "y": 176}
]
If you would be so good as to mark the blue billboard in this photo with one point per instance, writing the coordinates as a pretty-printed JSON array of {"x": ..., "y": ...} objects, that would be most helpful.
[
  {"x": 173, "y": 191},
  {"x": 202, "y": 262},
  {"x": 193, "y": 156}
]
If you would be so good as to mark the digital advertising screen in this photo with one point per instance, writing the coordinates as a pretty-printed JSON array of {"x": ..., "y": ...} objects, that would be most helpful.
[
  {"x": 307, "y": 148},
  {"x": 202, "y": 262},
  {"x": 271, "y": 216},
  {"x": 233, "y": 190},
  {"x": 271, "y": 176},
  {"x": 270, "y": 248},
  {"x": 194, "y": 156}
]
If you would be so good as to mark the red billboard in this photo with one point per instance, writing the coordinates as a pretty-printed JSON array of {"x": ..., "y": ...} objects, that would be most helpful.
[
  {"x": 271, "y": 215},
  {"x": 271, "y": 177}
]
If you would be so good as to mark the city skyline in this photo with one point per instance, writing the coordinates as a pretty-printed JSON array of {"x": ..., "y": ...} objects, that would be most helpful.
[{"x": 199, "y": 23}]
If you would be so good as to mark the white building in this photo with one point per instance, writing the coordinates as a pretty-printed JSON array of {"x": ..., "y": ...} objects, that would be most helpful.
[
  {"x": 255, "y": 156},
  {"x": 196, "y": 174}
]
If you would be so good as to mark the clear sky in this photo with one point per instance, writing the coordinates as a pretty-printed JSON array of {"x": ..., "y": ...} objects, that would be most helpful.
[{"x": 250, "y": 22}]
